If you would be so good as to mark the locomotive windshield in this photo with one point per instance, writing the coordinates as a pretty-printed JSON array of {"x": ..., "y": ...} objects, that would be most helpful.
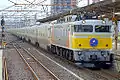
[
  {"x": 83, "y": 28},
  {"x": 102, "y": 28}
]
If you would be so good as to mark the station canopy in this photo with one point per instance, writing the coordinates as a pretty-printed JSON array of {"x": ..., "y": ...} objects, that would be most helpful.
[{"x": 106, "y": 7}]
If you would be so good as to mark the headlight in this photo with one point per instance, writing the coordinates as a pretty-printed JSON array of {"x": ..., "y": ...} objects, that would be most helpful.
[
  {"x": 83, "y": 21},
  {"x": 103, "y": 22}
]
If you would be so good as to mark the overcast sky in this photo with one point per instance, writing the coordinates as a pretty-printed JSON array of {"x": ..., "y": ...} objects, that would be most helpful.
[{"x": 6, "y": 3}]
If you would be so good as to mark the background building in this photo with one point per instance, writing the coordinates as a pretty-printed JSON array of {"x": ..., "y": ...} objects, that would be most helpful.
[{"x": 62, "y": 5}]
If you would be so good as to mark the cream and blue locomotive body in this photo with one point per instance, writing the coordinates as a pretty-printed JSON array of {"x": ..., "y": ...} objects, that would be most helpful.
[{"x": 86, "y": 42}]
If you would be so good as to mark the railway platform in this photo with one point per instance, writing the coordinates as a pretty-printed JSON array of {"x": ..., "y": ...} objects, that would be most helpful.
[{"x": 1, "y": 53}]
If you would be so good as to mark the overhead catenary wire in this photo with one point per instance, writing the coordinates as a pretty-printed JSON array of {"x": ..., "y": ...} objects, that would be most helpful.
[{"x": 11, "y": 1}]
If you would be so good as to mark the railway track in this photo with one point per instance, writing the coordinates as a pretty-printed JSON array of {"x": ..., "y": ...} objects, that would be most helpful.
[
  {"x": 105, "y": 75},
  {"x": 97, "y": 74},
  {"x": 38, "y": 70},
  {"x": 5, "y": 69},
  {"x": 111, "y": 73},
  {"x": 101, "y": 74}
]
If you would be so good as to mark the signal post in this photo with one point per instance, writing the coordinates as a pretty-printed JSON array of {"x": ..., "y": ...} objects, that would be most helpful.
[{"x": 3, "y": 42}]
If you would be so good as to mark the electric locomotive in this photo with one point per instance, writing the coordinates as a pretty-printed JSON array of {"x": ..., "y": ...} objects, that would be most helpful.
[{"x": 87, "y": 42}]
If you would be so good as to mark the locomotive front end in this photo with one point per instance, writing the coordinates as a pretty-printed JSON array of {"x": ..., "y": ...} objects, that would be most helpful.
[{"x": 92, "y": 43}]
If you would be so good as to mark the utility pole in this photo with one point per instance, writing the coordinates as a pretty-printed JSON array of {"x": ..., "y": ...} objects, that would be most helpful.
[
  {"x": 116, "y": 36},
  {"x": 114, "y": 19}
]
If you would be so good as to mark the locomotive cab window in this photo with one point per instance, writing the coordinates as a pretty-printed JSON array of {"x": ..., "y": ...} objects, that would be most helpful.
[
  {"x": 102, "y": 28},
  {"x": 83, "y": 28}
]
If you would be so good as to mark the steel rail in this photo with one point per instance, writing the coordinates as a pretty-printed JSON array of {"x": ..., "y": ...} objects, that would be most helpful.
[
  {"x": 94, "y": 74},
  {"x": 50, "y": 72},
  {"x": 99, "y": 74},
  {"x": 85, "y": 69},
  {"x": 56, "y": 78},
  {"x": 117, "y": 76},
  {"x": 5, "y": 70},
  {"x": 34, "y": 74}
]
